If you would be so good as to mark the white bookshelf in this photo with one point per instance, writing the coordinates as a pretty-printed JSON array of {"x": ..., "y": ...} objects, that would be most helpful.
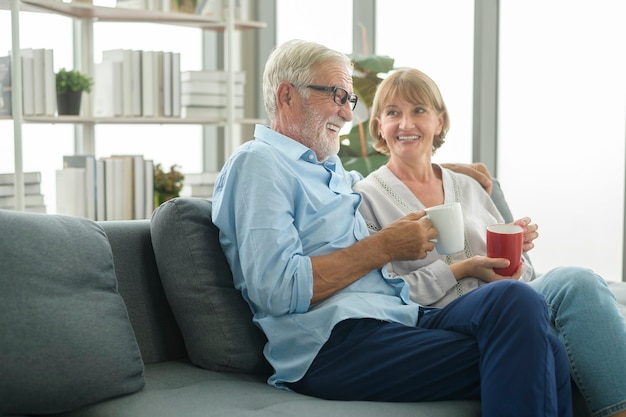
[{"x": 84, "y": 16}]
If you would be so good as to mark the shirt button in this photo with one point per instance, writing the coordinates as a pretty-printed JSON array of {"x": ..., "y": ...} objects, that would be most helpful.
[{"x": 310, "y": 157}]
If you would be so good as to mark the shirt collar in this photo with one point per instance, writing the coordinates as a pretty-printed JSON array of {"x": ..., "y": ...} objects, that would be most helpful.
[{"x": 290, "y": 147}]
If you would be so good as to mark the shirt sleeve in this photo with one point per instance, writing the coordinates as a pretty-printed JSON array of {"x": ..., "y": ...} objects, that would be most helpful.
[
  {"x": 256, "y": 221},
  {"x": 428, "y": 284}
]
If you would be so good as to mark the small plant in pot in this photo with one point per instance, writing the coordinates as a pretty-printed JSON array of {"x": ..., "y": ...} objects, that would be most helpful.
[
  {"x": 70, "y": 85},
  {"x": 167, "y": 185}
]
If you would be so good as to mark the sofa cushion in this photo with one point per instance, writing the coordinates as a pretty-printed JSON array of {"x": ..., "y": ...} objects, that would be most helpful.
[
  {"x": 215, "y": 321},
  {"x": 65, "y": 337}
]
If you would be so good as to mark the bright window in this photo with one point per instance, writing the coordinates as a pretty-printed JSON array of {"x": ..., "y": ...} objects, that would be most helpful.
[
  {"x": 561, "y": 127},
  {"x": 427, "y": 35}
]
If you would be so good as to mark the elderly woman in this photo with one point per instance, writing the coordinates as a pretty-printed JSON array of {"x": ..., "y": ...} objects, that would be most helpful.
[{"x": 410, "y": 121}]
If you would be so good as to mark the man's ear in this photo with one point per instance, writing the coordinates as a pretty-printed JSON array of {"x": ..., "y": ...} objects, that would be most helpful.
[{"x": 284, "y": 94}]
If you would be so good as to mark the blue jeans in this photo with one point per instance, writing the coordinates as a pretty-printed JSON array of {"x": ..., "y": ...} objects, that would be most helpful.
[
  {"x": 493, "y": 344},
  {"x": 585, "y": 317}
]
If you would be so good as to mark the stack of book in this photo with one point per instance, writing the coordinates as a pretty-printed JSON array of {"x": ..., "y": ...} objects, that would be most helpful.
[
  {"x": 38, "y": 82},
  {"x": 204, "y": 94},
  {"x": 199, "y": 184},
  {"x": 137, "y": 83},
  {"x": 33, "y": 198},
  {"x": 118, "y": 187}
]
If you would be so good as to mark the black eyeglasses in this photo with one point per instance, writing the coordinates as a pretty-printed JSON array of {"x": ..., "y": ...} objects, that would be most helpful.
[{"x": 340, "y": 94}]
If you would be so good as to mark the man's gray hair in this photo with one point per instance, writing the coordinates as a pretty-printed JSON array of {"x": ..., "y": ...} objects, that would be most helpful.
[{"x": 296, "y": 61}]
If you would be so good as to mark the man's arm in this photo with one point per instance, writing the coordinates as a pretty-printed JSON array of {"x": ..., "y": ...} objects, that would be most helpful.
[
  {"x": 406, "y": 238},
  {"x": 477, "y": 170}
]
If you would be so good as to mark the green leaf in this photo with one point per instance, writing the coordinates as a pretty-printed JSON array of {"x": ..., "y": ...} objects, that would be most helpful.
[
  {"x": 372, "y": 64},
  {"x": 364, "y": 165},
  {"x": 357, "y": 147},
  {"x": 72, "y": 80}
]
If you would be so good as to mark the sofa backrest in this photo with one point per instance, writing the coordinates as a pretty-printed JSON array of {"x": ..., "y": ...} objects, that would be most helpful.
[
  {"x": 213, "y": 317},
  {"x": 157, "y": 333}
]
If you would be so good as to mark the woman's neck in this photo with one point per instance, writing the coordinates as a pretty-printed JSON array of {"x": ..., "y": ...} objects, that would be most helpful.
[{"x": 424, "y": 180}]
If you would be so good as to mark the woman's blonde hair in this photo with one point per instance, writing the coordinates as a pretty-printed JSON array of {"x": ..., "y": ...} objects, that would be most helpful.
[{"x": 414, "y": 86}]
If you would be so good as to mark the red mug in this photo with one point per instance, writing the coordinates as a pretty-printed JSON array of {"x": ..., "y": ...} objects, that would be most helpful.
[{"x": 505, "y": 241}]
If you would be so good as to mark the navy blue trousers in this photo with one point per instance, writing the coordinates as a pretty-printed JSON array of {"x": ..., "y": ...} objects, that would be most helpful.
[{"x": 492, "y": 344}]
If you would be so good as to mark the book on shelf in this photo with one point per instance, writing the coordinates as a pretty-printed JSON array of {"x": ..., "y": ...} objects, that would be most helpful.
[
  {"x": 9, "y": 189},
  {"x": 33, "y": 198},
  {"x": 199, "y": 184},
  {"x": 125, "y": 187},
  {"x": 166, "y": 81},
  {"x": 199, "y": 178},
  {"x": 101, "y": 213},
  {"x": 38, "y": 82},
  {"x": 125, "y": 59},
  {"x": 136, "y": 83},
  {"x": 39, "y": 88},
  {"x": 41, "y": 208},
  {"x": 139, "y": 187},
  {"x": 200, "y": 190},
  {"x": 70, "y": 192},
  {"x": 210, "y": 87},
  {"x": 210, "y": 100},
  {"x": 106, "y": 89},
  {"x": 132, "y": 4},
  {"x": 206, "y": 112},
  {"x": 28, "y": 80},
  {"x": 158, "y": 104},
  {"x": 8, "y": 202},
  {"x": 149, "y": 84},
  {"x": 176, "y": 84},
  {"x": 212, "y": 75},
  {"x": 5, "y": 85},
  {"x": 114, "y": 184},
  {"x": 88, "y": 164},
  {"x": 30, "y": 177},
  {"x": 50, "y": 89},
  {"x": 149, "y": 188}
]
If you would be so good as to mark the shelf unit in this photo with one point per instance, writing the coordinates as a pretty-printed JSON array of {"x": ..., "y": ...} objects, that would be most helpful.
[{"x": 84, "y": 16}]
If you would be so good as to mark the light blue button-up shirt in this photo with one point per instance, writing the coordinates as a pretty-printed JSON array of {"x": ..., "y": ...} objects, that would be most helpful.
[{"x": 276, "y": 206}]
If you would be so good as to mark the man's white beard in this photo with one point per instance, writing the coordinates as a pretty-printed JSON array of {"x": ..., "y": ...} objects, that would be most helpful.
[{"x": 322, "y": 141}]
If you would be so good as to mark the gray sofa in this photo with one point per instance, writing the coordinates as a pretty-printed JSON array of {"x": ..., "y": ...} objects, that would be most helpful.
[{"x": 139, "y": 318}]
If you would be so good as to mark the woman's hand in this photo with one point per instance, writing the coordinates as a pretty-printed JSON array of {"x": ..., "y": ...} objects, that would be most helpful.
[
  {"x": 530, "y": 232},
  {"x": 481, "y": 267}
]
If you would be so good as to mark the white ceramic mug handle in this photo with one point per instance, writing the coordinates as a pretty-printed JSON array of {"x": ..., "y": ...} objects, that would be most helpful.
[{"x": 426, "y": 216}]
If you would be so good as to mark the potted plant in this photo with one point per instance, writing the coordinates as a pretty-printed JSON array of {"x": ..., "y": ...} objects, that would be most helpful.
[
  {"x": 357, "y": 147},
  {"x": 70, "y": 85},
  {"x": 183, "y": 6},
  {"x": 167, "y": 185}
]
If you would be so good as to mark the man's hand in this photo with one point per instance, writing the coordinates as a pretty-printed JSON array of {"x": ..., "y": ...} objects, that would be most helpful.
[
  {"x": 407, "y": 238},
  {"x": 477, "y": 170}
]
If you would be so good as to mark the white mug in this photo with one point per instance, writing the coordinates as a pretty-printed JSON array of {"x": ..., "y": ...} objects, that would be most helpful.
[{"x": 448, "y": 220}]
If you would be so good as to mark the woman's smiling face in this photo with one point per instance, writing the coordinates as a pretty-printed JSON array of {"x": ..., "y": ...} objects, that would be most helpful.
[{"x": 409, "y": 128}]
